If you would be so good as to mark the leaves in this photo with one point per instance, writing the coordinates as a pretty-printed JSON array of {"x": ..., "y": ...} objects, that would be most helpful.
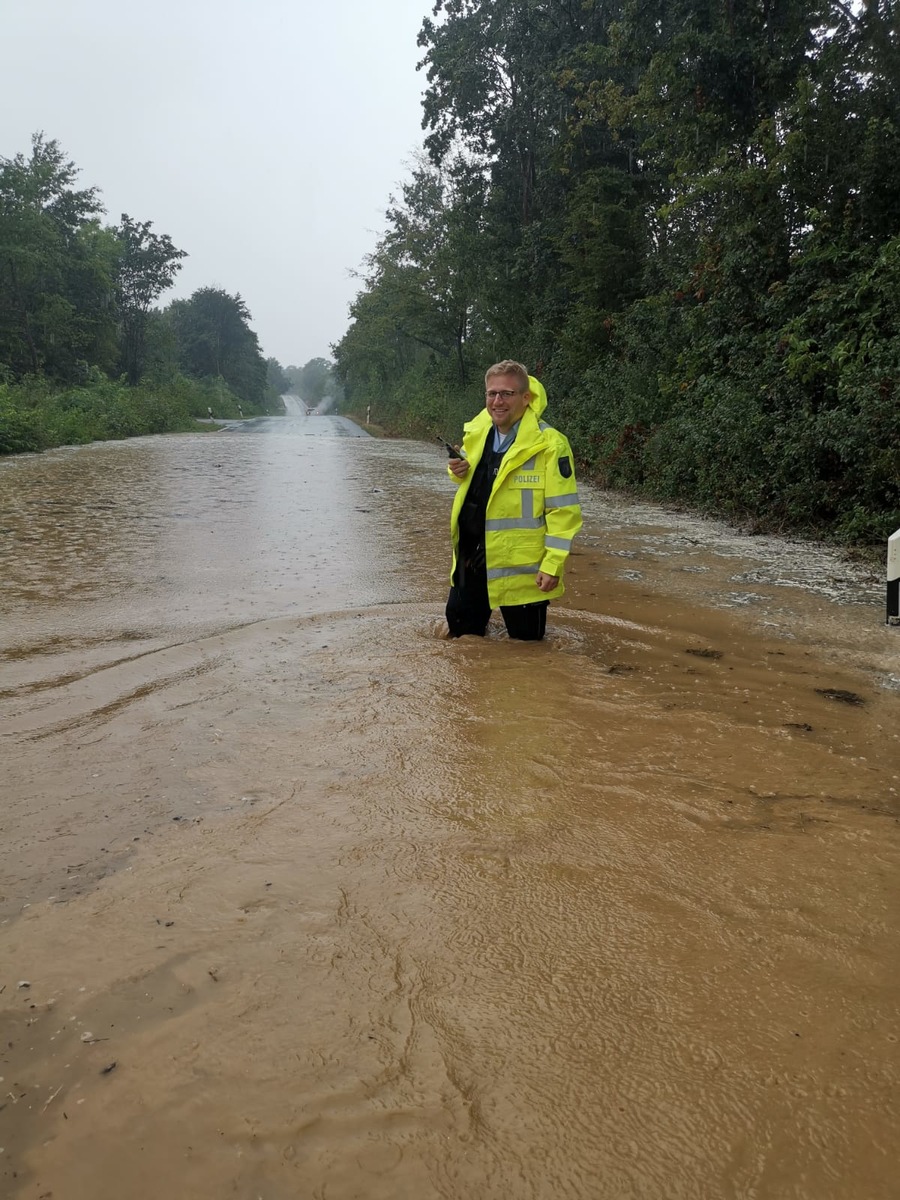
[
  {"x": 687, "y": 214},
  {"x": 146, "y": 267},
  {"x": 214, "y": 341}
]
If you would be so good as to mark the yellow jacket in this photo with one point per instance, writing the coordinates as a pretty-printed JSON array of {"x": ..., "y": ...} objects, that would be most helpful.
[{"x": 533, "y": 511}]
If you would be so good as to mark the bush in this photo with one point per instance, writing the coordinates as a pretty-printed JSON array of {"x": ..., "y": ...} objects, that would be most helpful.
[
  {"x": 19, "y": 428},
  {"x": 36, "y": 416}
]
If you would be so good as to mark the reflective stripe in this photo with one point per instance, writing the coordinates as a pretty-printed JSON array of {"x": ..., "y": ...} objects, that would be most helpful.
[
  {"x": 528, "y": 519},
  {"x": 496, "y": 523},
  {"x": 530, "y": 465},
  {"x": 506, "y": 572},
  {"x": 561, "y": 501},
  {"x": 543, "y": 425},
  {"x": 555, "y": 543}
]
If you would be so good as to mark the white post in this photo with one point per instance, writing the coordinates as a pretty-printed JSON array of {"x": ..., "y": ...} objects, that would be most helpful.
[
  {"x": 368, "y": 413},
  {"x": 893, "y": 580}
]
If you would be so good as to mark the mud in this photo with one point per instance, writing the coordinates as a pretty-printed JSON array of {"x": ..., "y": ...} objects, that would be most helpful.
[{"x": 356, "y": 911}]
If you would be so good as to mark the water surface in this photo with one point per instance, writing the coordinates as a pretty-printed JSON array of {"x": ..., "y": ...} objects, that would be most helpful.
[{"x": 357, "y": 911}]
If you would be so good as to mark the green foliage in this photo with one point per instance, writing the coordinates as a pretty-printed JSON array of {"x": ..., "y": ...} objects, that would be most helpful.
[
  {"x": 145, "y": 268},
  {"x": 214, "y": 341},
  {"x": 20, "y": 427},
  {"x": 76, "y": 311},
  {"x": 35, "y": 414},
  {"x": 684, "y": 219},
  {"x": 55, "y": 267},
  {"x": 278, "y": 384},
  {"x": 314, "y": 381}
]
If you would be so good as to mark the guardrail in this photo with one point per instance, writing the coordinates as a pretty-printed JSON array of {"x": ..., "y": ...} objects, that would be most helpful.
[{"x": 893, "y": 580}]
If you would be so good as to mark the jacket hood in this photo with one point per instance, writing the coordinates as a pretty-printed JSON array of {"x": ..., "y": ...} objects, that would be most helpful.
[
  {"x": 538, "y": 401},
  {"x": 536, "y": 404}
]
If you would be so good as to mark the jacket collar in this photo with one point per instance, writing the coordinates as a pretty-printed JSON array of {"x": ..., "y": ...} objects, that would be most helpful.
[
  {"x": 529, "y": 440},
  {"x": 529, "y": 428}
]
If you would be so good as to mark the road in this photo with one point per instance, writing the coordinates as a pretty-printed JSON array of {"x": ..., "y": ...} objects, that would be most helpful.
[{"x": 301, "y": 899}]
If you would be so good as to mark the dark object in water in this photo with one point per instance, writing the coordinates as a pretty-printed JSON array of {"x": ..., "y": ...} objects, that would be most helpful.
[
  {"x": 839, "y": 694},
  {"x": 705, "y": 653}
]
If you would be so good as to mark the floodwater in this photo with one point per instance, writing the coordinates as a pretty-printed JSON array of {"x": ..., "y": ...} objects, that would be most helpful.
[{"x": 302, "y": 901}]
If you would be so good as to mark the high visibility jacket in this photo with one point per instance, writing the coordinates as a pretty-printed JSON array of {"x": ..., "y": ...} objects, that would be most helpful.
[{"x": 533, "y": 511}]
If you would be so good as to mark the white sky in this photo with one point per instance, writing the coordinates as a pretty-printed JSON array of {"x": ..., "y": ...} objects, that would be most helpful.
[{"x": 264, "y": 136}]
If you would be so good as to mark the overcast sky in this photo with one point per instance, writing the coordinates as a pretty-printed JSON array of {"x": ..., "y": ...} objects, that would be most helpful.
[{"x": 264, "y": 136}]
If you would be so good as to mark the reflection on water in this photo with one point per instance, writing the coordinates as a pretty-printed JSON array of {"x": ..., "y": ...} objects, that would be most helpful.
[
  {"x": 356, "y": 911},
  {"x": 178, "y": 535}
]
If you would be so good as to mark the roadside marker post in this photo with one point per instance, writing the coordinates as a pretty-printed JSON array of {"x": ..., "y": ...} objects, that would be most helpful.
[{"x": 893, "y": 580}]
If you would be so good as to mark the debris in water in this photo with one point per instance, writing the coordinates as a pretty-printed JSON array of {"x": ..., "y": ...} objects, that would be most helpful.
[
  {"x": 700, "y": 653},
  {"x": 110, "y": 1067},
  {"x": 840, "y": 694}
]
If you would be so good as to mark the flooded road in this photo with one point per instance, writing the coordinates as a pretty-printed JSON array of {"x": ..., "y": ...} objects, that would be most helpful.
[{"x": 301, "y": 900}]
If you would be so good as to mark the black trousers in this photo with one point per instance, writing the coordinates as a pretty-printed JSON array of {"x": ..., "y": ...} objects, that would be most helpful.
[{"x": 469, "y": 610}]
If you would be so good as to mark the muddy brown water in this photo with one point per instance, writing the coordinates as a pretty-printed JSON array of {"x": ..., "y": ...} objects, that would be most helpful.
[{"x": 302, "y": 900}]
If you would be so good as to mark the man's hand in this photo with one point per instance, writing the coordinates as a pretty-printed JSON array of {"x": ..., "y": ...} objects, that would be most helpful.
[
  {"x": 459, "y": 467},
  {"x": 545, "y": 582}
]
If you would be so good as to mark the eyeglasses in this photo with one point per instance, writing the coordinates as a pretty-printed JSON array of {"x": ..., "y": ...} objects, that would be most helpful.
[{"x": 505, "y": 394}]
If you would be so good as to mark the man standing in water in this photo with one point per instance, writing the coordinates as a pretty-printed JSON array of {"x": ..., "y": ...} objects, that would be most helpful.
[{"x": 515, "y": 513}]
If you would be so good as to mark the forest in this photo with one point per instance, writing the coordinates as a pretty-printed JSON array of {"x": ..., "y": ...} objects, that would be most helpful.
[
  {"x": 85, "y": 352},
  {"x": 684, "y": 216}
]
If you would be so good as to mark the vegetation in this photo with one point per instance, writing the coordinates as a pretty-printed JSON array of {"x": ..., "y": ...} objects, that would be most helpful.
[
  {"x": 36, "y": 414},
  {"x": 84, "y": 354},
  {"x": 684, "y": 217},
  {"x": 315, "y": 383}
]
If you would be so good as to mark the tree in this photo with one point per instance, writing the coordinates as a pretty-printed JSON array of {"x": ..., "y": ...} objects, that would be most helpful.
[
  {"x": 215, "y": 341},
  {"x": 686, "y": 214},
  {"x": 277, "y": 380},
  {"x": 146, "y": 266},
  {"x": 55, "y": 264},
  {"x": 313, "y": 381}
]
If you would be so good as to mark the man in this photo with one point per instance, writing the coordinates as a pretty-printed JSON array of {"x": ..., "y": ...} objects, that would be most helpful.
[{"x": 515, "y": 513}]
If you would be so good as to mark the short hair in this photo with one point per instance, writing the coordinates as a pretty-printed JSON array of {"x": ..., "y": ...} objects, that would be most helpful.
[{"x": 509, "y": 367}]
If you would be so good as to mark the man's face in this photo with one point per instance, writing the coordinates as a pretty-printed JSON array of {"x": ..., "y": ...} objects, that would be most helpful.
[{"x": 505, "y": 401}]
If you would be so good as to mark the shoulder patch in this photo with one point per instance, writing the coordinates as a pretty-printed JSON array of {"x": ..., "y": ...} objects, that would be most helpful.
[{"x": 565, "y": 467}]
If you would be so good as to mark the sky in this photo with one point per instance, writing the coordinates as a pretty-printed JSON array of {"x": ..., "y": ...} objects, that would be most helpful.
[{"x": 265, "y": 137}]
